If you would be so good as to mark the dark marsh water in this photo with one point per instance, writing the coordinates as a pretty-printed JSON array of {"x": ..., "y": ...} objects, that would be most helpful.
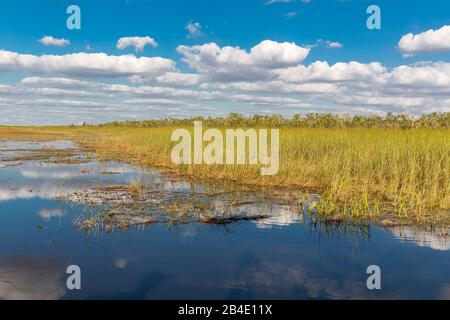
[{"x": 284, "y": 256}]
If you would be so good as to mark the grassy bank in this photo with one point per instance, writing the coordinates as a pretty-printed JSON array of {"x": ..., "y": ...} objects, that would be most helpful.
[{"x": 359, "y": 172}]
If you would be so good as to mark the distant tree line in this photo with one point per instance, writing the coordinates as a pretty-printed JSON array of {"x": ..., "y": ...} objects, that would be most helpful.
[{"x": 311, "y": 120}]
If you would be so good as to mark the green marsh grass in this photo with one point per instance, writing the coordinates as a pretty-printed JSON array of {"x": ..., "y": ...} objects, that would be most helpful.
[{"x": 360, "y": 172}]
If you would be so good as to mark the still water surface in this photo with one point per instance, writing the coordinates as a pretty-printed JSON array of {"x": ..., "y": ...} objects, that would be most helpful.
[{"x": 282, "y": 257}]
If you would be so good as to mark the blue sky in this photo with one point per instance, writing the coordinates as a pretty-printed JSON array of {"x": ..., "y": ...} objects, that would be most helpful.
[{"x": 310, "y": 56}]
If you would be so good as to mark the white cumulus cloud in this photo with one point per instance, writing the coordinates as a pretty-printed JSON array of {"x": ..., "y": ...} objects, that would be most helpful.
[
  {"x": 428, "y": 41},
  {"x": 194, "y": 29},
  {"x": 179, "y": 79},
  {"x": 236, "y": 63},
  {"x": 341, "y": 71},
  {"x": 137, "y": 42},
  {"x": 54, "y": 82},
  {"x": 85, "y": 64},
  {"x": 51, "y": 41}
]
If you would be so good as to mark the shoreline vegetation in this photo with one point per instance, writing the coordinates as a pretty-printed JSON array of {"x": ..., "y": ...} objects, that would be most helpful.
[
  {"x": 311, "y": 120},
  {"x": 393, "y": 170}
]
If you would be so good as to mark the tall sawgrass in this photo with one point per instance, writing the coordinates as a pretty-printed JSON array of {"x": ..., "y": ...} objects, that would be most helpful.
[
  {"x": 408, "y": 169},
  {"x": 360, "y": 169}
]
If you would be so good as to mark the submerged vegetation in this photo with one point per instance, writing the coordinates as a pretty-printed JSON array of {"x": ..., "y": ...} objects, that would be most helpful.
[
  {"x": 125, "y": 206},
  {"x": 395, "y": 170}
]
